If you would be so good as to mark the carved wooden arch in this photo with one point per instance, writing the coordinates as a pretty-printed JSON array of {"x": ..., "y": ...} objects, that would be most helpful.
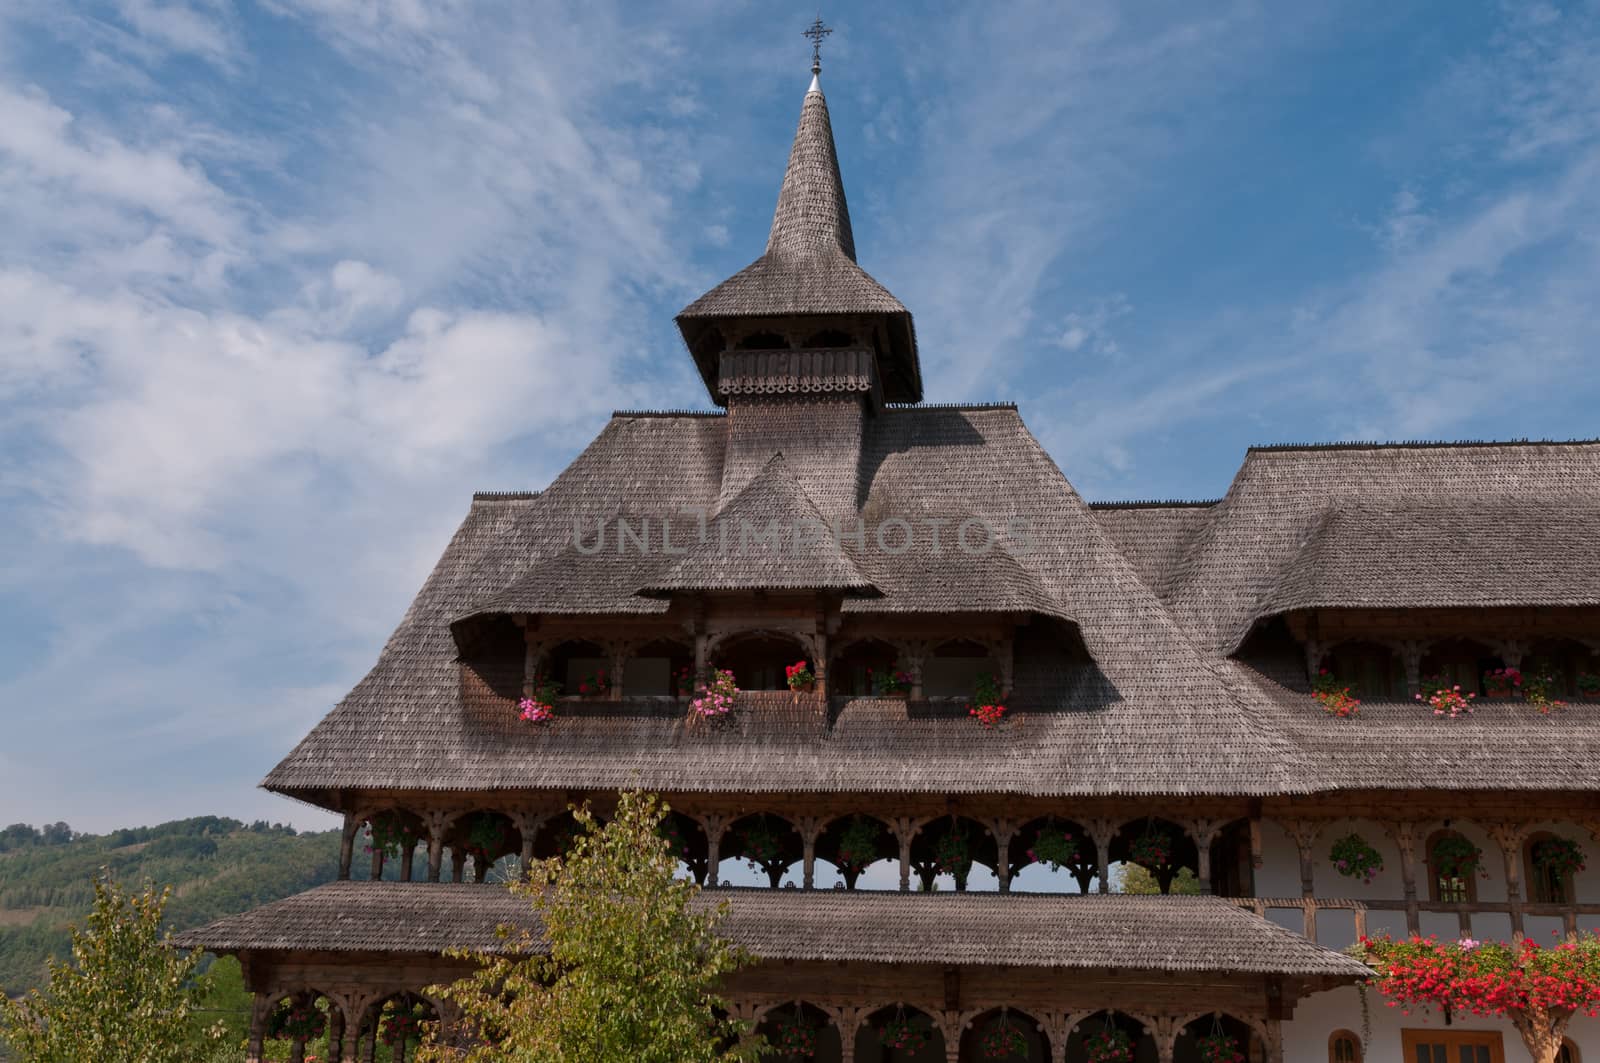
[
  {"x": 715, "y": 642},
  {"x": 1038, "y": 1020},
  {"x": 1257, "y": 1024},
  {"x": 759, "y": 1012}
]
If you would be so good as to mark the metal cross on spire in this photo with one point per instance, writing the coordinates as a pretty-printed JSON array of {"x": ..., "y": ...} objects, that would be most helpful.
[{"x": 816, "y": 32}]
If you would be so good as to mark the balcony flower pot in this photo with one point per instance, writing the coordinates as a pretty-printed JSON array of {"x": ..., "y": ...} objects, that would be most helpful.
[{"x": 800, "y": 677}]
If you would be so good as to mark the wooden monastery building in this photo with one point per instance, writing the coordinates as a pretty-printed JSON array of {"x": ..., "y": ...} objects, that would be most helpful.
[{"x": 1170, "y": 672}]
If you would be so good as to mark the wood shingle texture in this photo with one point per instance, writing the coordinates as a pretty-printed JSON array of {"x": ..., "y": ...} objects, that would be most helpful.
[
  {"x": 1137, "y": 933},
  {"x": 1151, "y": 715}
]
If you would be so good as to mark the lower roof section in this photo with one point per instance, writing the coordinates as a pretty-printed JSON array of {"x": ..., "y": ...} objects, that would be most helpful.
[{"x": 1084, "y": 931}]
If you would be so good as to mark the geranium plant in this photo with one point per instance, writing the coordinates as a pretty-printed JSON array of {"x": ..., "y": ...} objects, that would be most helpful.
[
  {"x": 486, "y": 833},
  {"x": 1109, "y": 1044},
  {"x": 1502, "y": 682},
  {"x": 1560, "y": 855},
  {"x": 669, "y": 832},
  {"x": 1053, "y": 847},
  {"x": 401, "y": 1026},
  {"x": 952, "y": 853},
  {"x": 858, "y": 844},
  {"x": 889, "y": 682},
  {"x": 1218, "y": 1047},
  {"x": 540, "y": 704},
  {"x": 905, "y": 1033},
  {"x": 299, "y": 1020},
  {"x": 594, "y": 684},
  {"x": 1456, "y": 857},
  {"x": 1333, "y": 695},
  {"x": 1538, "y": 688},
  {"x": 1589, "y": 684},
  {"x": 717, "y": 698},
  {"x": 762, "y": 845},
  {"x": 1151, "y": 849},
  {"x": 388, "y": 834},
  {"x": 986, "y": 707},
  {"x": 1539, "y": 989},
  {"x": 1002, "y": 1040},
  {"x": 800, "y": 676},
  {"x": 1354, "y": 858},
  {"x": 1448, "y": 701},
  {"x": 794, "y": 1035}
]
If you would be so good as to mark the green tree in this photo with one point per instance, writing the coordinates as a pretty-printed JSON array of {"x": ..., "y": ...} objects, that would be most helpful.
[
  {"x": 1136, "y": 879},
  {"x": 627, "y": 967},
  {"x": 125, "y": 997}
]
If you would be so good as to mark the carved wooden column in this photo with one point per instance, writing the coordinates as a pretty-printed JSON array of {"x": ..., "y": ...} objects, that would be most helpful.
[
  {"x": 437, "y": 821},
  {"x": 353, "y": 1005},
  {"x": 911, "y": 657},
  {"x": 1003, "y": 830},
  {"x": 1006, "y": 656},
  {"x": 1316, "y": 649},
  {"x": 950, "y": 1024},
  {"x": 1164, "y": 1031},
  {"x": 458, "y": 866},
  {"x": 347, "y": 844},
  {"x": 528, "y": 824},
  {"x": 1404, "y": 834},
  {"x": 1273, "y": 1041},
  {"x": 1304, "y": 832},
  {"x": 1204, "y": 832},
  {"x": 297, "y": 1050},
  {"x": 260, "y": 1007},
  {"x": 377, "y": 863},
  {"x": 848, "y": 1020},
  {"x": 532, "y": 655},
  {"x": 702, "y": 665},
  {"x": 1102, "y": 832},
  {"x": 372, "y": 1038},
  {"x": 905, "y": 828},
  {"x": 1057, "y": 1026},
  {"x": 1508, "y": 836},
  {"x": 715, "y": 824},
  {"x": 1511, "y": 651},
  {"x": 1411, "y": 651},
  {"x": 408, "y": 855},
  {"x": 335, "y": 1035},
  {"x": 810, "y": 828},
  {"x": 618, "y": 652}
]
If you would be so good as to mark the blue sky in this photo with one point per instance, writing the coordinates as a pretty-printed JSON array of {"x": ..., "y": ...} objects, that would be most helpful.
[{"x": 282, "y": 283}]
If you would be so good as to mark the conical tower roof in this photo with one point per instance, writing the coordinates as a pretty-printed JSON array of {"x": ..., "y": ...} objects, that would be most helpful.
[{"x": 809, "y": 267}]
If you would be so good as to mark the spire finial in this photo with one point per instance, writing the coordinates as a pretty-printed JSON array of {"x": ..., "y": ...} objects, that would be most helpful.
[{"x": 817, "y": 31}]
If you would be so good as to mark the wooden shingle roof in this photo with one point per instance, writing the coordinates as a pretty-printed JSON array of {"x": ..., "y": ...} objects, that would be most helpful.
[{"x": 1137, "y": 933}]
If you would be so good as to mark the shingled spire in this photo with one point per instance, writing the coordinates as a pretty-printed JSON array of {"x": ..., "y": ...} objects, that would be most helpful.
[
  {"x": 806, "y": 295},
  {"x": 812, "y": 216}
]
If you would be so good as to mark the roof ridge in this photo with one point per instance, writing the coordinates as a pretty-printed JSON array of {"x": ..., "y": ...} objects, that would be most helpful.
[
  {"x": 1157, "y": 503},
  {"x": 1002, "y": 404},
  {"x": 503, "y": 496},
  {"x": 669, "y": 413},
  {"x": 1418, "y": 444}
]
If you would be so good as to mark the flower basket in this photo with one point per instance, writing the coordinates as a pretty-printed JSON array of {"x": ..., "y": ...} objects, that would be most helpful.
[
  {"x": 485, "y": 834},
  {"x": 1455, "y": 857},
  {"x": 1002, "y": 1040},
  {"x": 1110, "y": 1044},
  {"x": 800, "y": 677},
  {"x": 1219, "y": 1048},
  {"x": 1354, "y": 858},
  {"x": 1053, "y": 847},
  {"x": 387, "y": 834},
  {"x": 1562, "y": 856},
  {"x": 890, "y": 683},
  {"x": 795, "y": 1036},
  {"x": 1447, "y": 701},
  {"x": 400, "y": 1027},
  {"x": 953, "y": 854},
  {"x": 1502, "y": 683},
  {"x": 1333, "y": 696},
  {"x": 1151, "y": 850},
  {"x": 762, "y": 845},
  {"x": 858, "y": 844},
  {"x": 717, "y": 698},
  {"x": 299, "y": 1021},
  {"x": 906, "y": 1034}
]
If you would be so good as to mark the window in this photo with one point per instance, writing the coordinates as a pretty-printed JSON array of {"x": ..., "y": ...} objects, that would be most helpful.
[
  {"x": 1452, "y": 1046},
  {"x": 1344, "y": 1047},
  {"x": 1447, "y": 885}
]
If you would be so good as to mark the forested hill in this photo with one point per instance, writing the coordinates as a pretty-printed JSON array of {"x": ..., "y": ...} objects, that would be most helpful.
[{"x": 216, "y": 867}]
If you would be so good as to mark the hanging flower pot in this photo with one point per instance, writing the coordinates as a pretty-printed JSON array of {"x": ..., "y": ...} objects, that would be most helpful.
[
  {"x": 298, "y": 1021},
  {"x": 909, "y": 1035},
  {"x": 794, "y": 1035},
  {"x": 400, "y": 1027},
  {"x": 953, "y": 855},
  {"x": 1054, "y": 847},
  {"x": 1353, "y": 858},
  {"x": 1152, "y": 849},
  {"x": 1455, "y": 857},
  {"x": 1109, "y": 1044},
  {"x": 858, "y": 844},
  {"x": 763, "y": 846},
  {"x": 486, "y": 834},
  {"x": 387, "y": 833},
  {"x": 1218, "y": 1047},
  {"x": 1562, "y": 856},
  {"x": 1002, "y": 1040}
]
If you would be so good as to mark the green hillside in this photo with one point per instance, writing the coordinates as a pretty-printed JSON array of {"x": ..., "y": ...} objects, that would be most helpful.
[{"x": 216, "y": 867}]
